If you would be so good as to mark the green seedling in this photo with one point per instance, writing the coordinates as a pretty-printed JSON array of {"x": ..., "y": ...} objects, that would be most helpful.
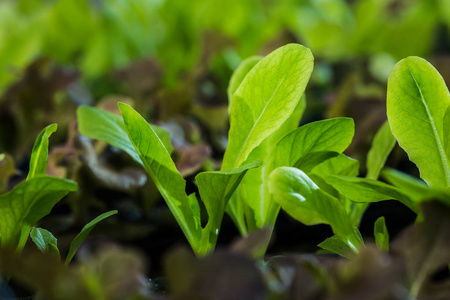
[
  {"x": 149, "y": 145},
  {"x": 33, "y": 199}
]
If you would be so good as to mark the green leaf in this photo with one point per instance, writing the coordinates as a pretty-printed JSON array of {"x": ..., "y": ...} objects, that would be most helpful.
[
  {"x": 79, "y": 239},
  {"x": 313, "y": 159},
  {"x": 26, "y": 204},
  {"x": 381, "y": 235},
  {"x": 364, "y": 190},
  {"x": 216, "y": 189},
  {"x": 382, "y": 145},
  {"x": 336, "y": 245},
  {"x": 162, "y": 170},
  {"x": 45, "y": 241},
  {"x": 326, "y": 135},
  {"x": 39, "y": 154},
  {"x": 266, "y": 99},
  {"x": 415, "y": 188},
  {"x": 417, "y": 101},
  {"x": 239, "y": 75},
  {"x": 301, "y": 198},
  {"x": 108, "y": 127},
  {"x": 339, "y": 165}
]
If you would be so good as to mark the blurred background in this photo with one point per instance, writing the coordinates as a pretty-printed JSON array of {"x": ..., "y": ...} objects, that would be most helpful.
[{"x": 172, "y": 60}]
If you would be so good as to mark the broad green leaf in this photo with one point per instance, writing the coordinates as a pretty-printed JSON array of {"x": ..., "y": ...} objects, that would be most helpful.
[
  {"x": 79, "y": 239},
  {"x": 417, "y": 101},
  {"x": 266, "y": 99},
  {"x": 358, "y": 189},
  {"x": 45, "y": 241},
  {"x": 108, "y": 127},
  {"x": 415, "y": 188},
  {"x": 301, "y": 198},
  {"x": 381, "y": 235},
  {"x": 326, "y": 135},
  {"x": 382, "y": 145},
  {"x": 162, "y": 170},
  {"x": 336, "y": 245},
  {"x": 39, "y": 154},
  {"x": 26, "y": 204},
  {"x": 239, "y": 75},
  {"x": 216, "y": 189}
]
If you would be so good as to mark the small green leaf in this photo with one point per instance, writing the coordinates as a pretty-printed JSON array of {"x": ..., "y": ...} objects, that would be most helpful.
[
  {"x": 300, "y": 197},
  {"x": 78, "y": 240},
  {"x": 216, "y": 189},
  {"x": 336, "y": 245},
  {"x": 45, "y": 241},
  {"x": 326, "y": 135},
  {"x": 39, "y": 154},
  {"x": 265, "y": 99},
  {"x": 162, "y": 170},
  {"x": 382, "y": 145},
  {"x": 26, "y": 204},
  {"x": 108, "y": 127},
  {"x": 417, "y": 101},
  {"x": 239, "y": 75},
  {"x": 364, "y": 190},
  {"x": 381, "y": 235}
]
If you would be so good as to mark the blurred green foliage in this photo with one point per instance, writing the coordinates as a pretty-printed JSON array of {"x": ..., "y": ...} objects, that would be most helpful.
[{"x": 97, "y": 36}]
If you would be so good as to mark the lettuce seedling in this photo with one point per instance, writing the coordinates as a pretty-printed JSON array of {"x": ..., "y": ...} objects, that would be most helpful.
[
  {"x": 149, "y": 145},
  {"x": 417, "y": 109},
  {"x": 33, "y": 199}
]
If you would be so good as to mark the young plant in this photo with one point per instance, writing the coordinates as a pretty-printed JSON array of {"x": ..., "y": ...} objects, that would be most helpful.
[
  {"x": 149, "y": 145},
  {"x": 33, "y": 199},
  {"x": 418, "y": 113}
]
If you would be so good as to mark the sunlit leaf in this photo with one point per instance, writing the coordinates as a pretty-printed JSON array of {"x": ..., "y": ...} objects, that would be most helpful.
[
  {"x": 417, "y": 101},
  {"x": 265, "y": 100}
]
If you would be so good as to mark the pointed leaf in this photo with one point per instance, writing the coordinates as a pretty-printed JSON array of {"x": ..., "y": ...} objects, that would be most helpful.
[
  {"x": 417, "y": 101},
  {"x": 162, "y": 170},
  {"x": 381, "y": 234},
  {"x": 300, "y": 197},
  {"x": 108, "y": 127},
  {"x": 39, "y": 154},
  {"x": 239, "y": 75},
  {"x": 326, "y": 135},
  {"x": 382, "y": 145},
  {"x": 265, "y": 100},
  {"x": 45, "y": 241},
  {"x": 79, "y": 239},
  {"x": 26, "y": 204}
]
